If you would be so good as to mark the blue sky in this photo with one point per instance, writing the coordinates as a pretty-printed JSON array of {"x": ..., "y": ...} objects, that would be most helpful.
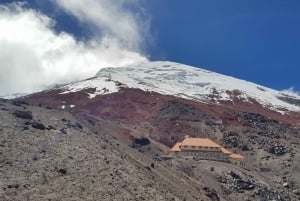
[{"x": 250, "y": 39}]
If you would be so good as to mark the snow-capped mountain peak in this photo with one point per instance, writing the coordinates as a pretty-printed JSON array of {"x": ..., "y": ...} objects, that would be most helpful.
[{"x": 169, "y": 78}]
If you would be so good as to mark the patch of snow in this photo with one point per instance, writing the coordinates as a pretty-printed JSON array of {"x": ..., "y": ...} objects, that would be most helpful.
[
  {"x": 99, "y": 86},
  {"x": 63, "y": 107},
  {"x": 72, "y": 106}
]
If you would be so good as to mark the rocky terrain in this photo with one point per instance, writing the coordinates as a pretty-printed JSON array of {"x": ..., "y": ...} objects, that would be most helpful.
[
  {"x": 100, "y": 139},
  {"x": 50, "y": 153}
]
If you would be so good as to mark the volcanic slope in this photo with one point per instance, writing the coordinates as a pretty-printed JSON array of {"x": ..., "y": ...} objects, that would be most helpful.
[
  {"x": 162, "y": 102},
  {"x": 49, "y": 154},
  {"x": 186, "y": 82}
]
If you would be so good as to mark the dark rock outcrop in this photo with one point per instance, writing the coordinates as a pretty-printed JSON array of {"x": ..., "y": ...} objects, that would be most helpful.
[
  {"x": 23, "y": 114},
  {"x": 236, "y": 182},
  {"x": 211, "y": 193},
  {"x": 19, "y": 102},
  {"x": 38, "y": 125},
  {"x": 141, "y": 141},
  {"x": 276, "y": 149}
]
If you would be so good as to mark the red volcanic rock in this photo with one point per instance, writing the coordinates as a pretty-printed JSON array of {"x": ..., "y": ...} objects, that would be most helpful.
[{"x": 135, "y": 105}]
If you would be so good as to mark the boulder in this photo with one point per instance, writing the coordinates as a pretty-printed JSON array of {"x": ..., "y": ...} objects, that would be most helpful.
[
  {"x": 38, "y": 125},
  {"x": 23, "y": 114},
  {"x": 19, "y": 103}
]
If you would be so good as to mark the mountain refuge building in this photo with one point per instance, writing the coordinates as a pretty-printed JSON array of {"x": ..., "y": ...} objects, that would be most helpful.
[{"x": 205, "y": 149}]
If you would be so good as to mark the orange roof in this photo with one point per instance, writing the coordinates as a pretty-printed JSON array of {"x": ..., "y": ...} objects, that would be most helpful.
[
  {"x": 237, "y": 156},
  {"x": 225, "y": 151},
  {"x": 176, "y": 147},
  {"x": 199, "y": 142},
  {"x": 204, "y": 142}
]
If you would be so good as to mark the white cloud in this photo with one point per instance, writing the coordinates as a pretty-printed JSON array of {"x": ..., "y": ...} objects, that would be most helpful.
[
  {"x": 110, "y": 17},
  {"x": 33, "y": 56},
  {"x": 291, "y": 91}
]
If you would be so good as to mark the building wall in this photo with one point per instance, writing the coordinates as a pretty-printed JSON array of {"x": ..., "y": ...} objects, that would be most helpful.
[
  {"x": 217, "y": 156},
  {"x": 238, "y": 162}
]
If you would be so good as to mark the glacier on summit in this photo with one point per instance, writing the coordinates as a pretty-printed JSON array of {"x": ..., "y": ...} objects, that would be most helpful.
[{"x": 184, "y": 81}]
